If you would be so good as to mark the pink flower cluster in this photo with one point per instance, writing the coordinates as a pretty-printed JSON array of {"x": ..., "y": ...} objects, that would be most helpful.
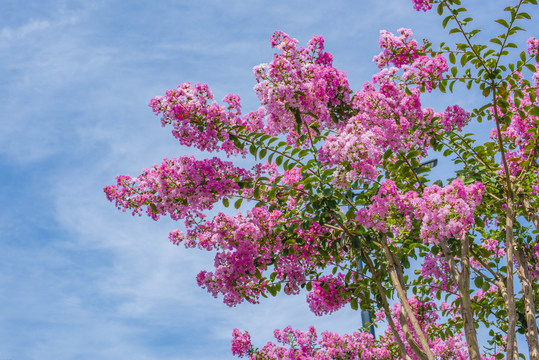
[
  {"x": 426, "y": 313},
  {"x": 481, "y": 293},
  {"x": 449, "y": 211},
  {"x": 397, "y": 50},
  {"x": 521, "y": 129},
  {"x": 426, "y": 71},
  {"x": 445, "y": 212},
  {"x": 246, "y": 247},
  {"x": 196, "y": 120},
  {"x": 395, "y": 118},
  {"x": 533, "y": 261},
  {"x": 387, "y": 204},
  {"x": 455, "y": 117},
  {"x": 424, "y": 5},
  {"x": 533, "y": 46},
  {"x": 182, "y": 187},
  {"x": 355, "y": 156},
  {"x": 358, "y": 345},
  {"x": 437, "y": 269},
  {"x": 300, "y": 84},
  {"x": 494, "y": 246},
  {"x": 328, "y": 294},
  {"x": 241, "y": 343}
]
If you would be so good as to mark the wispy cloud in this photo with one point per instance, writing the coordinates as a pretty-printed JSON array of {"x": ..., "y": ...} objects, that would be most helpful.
[{"x": 81, "y": 280}]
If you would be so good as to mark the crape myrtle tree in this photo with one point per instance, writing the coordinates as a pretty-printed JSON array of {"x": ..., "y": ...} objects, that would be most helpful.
[{"x": 341, "y": 206}]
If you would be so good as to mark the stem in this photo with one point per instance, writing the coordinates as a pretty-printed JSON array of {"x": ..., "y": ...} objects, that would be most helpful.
[
  {"x": 385, "y": 304},
  {"x": 270, "y": 149},
  {"x": 507, "y": 34},
  {"x": 512, "y": 348},
  {"x": 476, "y": 155},
  {"x": 462, "y": 279},
  {"x": 467, "y": 314},
  {"x": 415, "y": 174},
  {"x": 401, "y": 293},
  {"x": 529, "y": 305},
  {"x": 532, "y": 334},
  {"x": 477, "y": 56}
]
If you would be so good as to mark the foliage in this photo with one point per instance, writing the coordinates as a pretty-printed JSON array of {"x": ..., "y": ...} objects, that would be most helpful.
[{"x": 342, "y": 206}]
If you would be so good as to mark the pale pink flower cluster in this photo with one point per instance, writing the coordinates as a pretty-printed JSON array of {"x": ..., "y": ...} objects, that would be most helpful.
[
  {"x": 533, "y": 46},
  {"x": 426, "y": 71},
  {"x": 355, "y": 153},
  {"x": 328, "y": 294},
  {"x": 445, "y": 212},
  {"x": 246, "y": 246},
  {"x": 455, "y": 117},
  {"x": 480, "y": 294},
  {"x": 397, "y": 50},
  {"x": 358, "y": 345},
  {"x": 533, "y": 260},
  {"x": 196, "y": 120},
  {"x": 494, "y": 246},
  {"x": 426, "y": 313},
  {"x": 388, "y": 203},
  {"x": 437, "y": 269},
  {"x": 300, "y": 84},
  {"x": 521, "y": 129},
  {"x": 387, "y": 115},
  {"x": 424, "y": 5},
  {"x": 449, "y": 211},
  {"x": 241, "y": 343},
  {"x": 182, "y": 187}
]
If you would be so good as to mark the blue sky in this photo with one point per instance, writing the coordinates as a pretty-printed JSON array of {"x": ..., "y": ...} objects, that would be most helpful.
[{"x": 81, "y": 280}]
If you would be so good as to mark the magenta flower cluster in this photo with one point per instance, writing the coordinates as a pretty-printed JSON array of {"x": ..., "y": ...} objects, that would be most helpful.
[
  {"x": 444, "y": 212},
  {"x": 301, "y": 79},
  {"x": 296, "y": 344},
  {"x": 328, "y": 294},
  {"x": 246, "y": 247},
  {"x": 533, "y": 46},
  {"x": 424, "y": 5},
  {"x": 521, "y": 129},
  {"x": 397, "y": 50},
  {"x": 181, "y": 187}
]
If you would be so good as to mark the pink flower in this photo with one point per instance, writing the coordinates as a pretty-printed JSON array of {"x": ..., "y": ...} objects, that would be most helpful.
[
  {"x": 328, "y": 295},
  {"x": 533, "y": 46},
  {"x": 241, "y": 343},
  {"x": 424, "y": 5}
]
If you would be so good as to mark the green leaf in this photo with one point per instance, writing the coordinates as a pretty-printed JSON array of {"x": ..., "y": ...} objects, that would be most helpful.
[
  {"x": 463, "y": 59},
  {"x": 535, "y": 111},
  {"x": 263, "y": 153},
  {"x": 226, "y": 203},
  {"x": 496, "y": 41},
  {"x": 354, "y": 304},
  {"x": 478, "y": 281},
  {"x": 153, "y": 207},
  {"x": 446, "y": 20},
  {"x": 452, "y": 58},
  {"x": 502, "y": 22},
  {"x": 238, "y": 202},
  {"x": 252, "y": 150},
  {"x": 530, "y": 67}
]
